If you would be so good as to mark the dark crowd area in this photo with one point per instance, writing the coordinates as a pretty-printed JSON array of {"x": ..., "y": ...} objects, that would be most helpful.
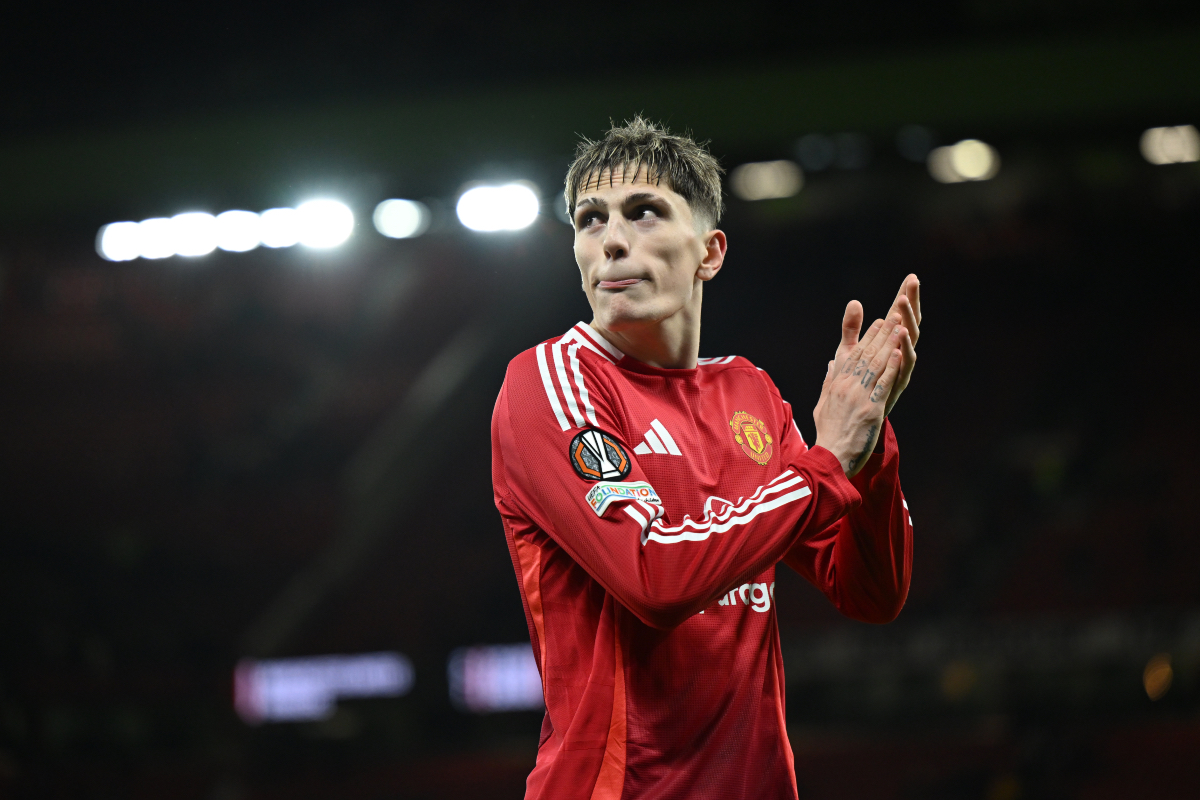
[{"x": 285, "y": 452}]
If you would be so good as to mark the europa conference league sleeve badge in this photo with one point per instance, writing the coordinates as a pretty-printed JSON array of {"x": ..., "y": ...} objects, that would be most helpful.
[{"x": 598, "y": 456}]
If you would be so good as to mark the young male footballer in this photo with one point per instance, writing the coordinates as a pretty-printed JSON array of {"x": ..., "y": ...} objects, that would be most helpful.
[{"x": 647, "y": 495}]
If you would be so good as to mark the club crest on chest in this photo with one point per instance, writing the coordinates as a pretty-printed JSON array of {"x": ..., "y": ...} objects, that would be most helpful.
[{"x": 752, "y": 437}]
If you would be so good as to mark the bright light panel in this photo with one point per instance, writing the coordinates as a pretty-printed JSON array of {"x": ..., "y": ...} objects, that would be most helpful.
[
  {"x": 498, "y": 208},
  {"x": 280, "y": 227},
  {"x": 764, "y": 180},
  {"x": 156, "y": 238},
  {"x": 119, "y": 241},
  {"x": 324, "y": 223},
  {"x": 1172, "y": 145},
  {"x": 401, "y": 219},
  {"x": 968, "y": 160},
  {"x": 297, "y": 689},
  {"x": 495, "y": 678},
  {"x": 193, "y": 233},
  {"x": 238, "y": 231}
]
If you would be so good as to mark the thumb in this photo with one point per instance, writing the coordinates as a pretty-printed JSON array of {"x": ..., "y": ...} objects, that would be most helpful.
[{"x": 852, "y": 323}]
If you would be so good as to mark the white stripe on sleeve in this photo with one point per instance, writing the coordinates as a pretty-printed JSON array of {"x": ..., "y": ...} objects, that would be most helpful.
[
  {"x": 573, "y": 352},
  {"x": 549, "y": 386},
  {"x": 568, "y": 393}
]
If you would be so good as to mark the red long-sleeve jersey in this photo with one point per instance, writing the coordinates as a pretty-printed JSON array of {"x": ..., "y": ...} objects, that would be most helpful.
[{"x": 645, "y": 511}]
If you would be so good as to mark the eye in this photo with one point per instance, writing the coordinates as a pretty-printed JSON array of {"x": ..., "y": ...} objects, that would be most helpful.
[
  {"x": 642, "y": 213},
  {"x": 588, "y": 220}
]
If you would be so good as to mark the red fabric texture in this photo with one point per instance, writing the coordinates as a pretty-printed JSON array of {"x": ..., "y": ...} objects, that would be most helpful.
[{"x": 656, "y": 638}]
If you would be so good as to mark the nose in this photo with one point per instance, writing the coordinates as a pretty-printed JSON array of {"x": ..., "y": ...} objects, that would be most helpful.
[{"x": 616, "y": 239}]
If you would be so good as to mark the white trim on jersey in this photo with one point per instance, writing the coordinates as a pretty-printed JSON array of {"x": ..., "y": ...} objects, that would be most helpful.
[
  {"x": 644, "y": 521},
  {"x": 731, "y": 514},
  {"x": 573, "y": 352},
  {"x": 585, "y": 335},
  {"x": 568, "y": 393},
  {"x": 717, "y": 360},
  {"x": 549, "y": 386}
]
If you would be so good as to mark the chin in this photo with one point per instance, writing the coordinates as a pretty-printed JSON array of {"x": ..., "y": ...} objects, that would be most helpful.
[{"x": 619, "y": 313}]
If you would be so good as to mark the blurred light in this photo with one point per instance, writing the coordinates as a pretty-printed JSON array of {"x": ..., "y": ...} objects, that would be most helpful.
[
  {"x": 156, "y": 238},
  {"x": 1177, "y": 145},
  {"x": 498, "y": 208},
  {"x": 958, "y": 679},
  {"x": 762, "y": 180},
  {"x": 401, "y": 219},
  {"x": 495, "y": 678},
  {"x": 324, "y": 223},
  {"x": 815, "y": 152},
  {"x": 238, "y": 231},
  {"x": 969, "y": 160},
  {"x": 295, "y": 689},
  {"x": 914, "y": 142},
  {"x": 119, "y": 241},
  {"x": 193, "y": 233},
  {"x": 280, "y": 227},
  {"x": 1156, "y": 678},
  {"x": 851, "y": 151}
]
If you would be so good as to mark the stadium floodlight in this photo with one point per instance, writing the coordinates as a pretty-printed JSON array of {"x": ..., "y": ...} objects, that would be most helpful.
[
  {"x": 1172, "y": 145},
  {"x": 968, "y": 160},
  {"x": 119, "y": 241},
  {"x": 193, "y": 233},
  {"x": 498, "y": 208},
  {"x": 156, "y": 238},
  {"x": 279, "y": 227},
  {"x": 238, "y": 231},
  {"x": 765, "y": 180},
  {"x": 490, "y": 678},
  {"x": 324, "y": 223},
  {"x": 297, "y": 689},
  {"x": 401, "y": 219}
]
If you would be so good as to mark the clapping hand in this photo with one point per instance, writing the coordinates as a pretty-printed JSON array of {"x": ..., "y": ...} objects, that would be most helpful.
[{"x": 906, "y": 310}]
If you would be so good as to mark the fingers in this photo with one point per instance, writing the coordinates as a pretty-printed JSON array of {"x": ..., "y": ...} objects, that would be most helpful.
[
  {"x": 877, "y": 357},
  {"x": 867, "y": 360},
  {"x": 868, "y": 338},
  {"x": 908, "y": 317},
  {"x": 884, "y": 385},
  {"x": 914, "y": 297}
]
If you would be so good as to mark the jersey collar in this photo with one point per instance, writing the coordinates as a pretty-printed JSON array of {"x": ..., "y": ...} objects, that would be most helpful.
[{"x": 587, "y": 336}]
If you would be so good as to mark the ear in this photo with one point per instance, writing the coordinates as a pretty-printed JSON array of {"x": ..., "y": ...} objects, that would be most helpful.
[{"x": 714, "y": 255}]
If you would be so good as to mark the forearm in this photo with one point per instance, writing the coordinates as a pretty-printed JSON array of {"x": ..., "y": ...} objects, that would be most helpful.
[{"x": 863, "y": 563}]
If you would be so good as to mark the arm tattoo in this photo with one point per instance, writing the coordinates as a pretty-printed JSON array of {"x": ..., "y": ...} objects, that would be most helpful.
[{"x": 866, "y": 453}]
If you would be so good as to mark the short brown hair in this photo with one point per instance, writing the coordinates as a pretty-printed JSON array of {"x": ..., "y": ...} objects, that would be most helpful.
[{"x": 688, "y": 167}]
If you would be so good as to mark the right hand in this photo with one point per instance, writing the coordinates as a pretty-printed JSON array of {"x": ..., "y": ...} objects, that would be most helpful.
[{"x": 849, "y": 415}]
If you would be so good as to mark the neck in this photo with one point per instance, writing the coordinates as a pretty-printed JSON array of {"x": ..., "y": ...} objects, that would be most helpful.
[{"x": 671, "y": 343}]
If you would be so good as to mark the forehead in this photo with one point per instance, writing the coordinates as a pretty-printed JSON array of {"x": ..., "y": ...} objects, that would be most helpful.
[{"x": 621, "y": 180}]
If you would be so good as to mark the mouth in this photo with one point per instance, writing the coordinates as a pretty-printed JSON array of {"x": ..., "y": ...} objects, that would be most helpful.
[{"x": 621, "y": 284}]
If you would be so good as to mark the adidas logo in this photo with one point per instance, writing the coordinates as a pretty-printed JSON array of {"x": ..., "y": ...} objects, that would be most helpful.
[{"x": 657, "y": 440}]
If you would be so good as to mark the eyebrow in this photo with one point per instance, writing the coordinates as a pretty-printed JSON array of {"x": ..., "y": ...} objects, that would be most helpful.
[{"x": 639, "y": 197}]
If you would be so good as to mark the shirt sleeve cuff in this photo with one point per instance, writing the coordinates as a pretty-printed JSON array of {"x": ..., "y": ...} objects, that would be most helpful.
[
  {"x": 882, "y": 461},
  {"x": 827, "y": 470}
]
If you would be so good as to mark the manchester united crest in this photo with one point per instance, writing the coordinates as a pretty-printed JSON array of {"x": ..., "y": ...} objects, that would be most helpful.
[{"x": 751, "y": 435}]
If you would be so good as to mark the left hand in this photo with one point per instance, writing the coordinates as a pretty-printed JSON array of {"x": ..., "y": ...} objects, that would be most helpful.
[{"x": 906, "y": 309}]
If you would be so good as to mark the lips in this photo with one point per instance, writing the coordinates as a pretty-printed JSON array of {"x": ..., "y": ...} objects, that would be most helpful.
[{"x": 618, "y": 284}]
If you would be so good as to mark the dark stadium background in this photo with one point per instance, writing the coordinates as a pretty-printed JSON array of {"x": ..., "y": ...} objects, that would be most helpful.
[{"x": 179, "y": 437}]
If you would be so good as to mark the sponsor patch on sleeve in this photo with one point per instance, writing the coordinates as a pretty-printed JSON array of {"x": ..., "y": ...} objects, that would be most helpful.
[{"x": 600, "y": 496}]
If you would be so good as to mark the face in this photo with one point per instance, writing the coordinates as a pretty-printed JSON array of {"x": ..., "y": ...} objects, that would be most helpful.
[{"x": 640, "y": 252}]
